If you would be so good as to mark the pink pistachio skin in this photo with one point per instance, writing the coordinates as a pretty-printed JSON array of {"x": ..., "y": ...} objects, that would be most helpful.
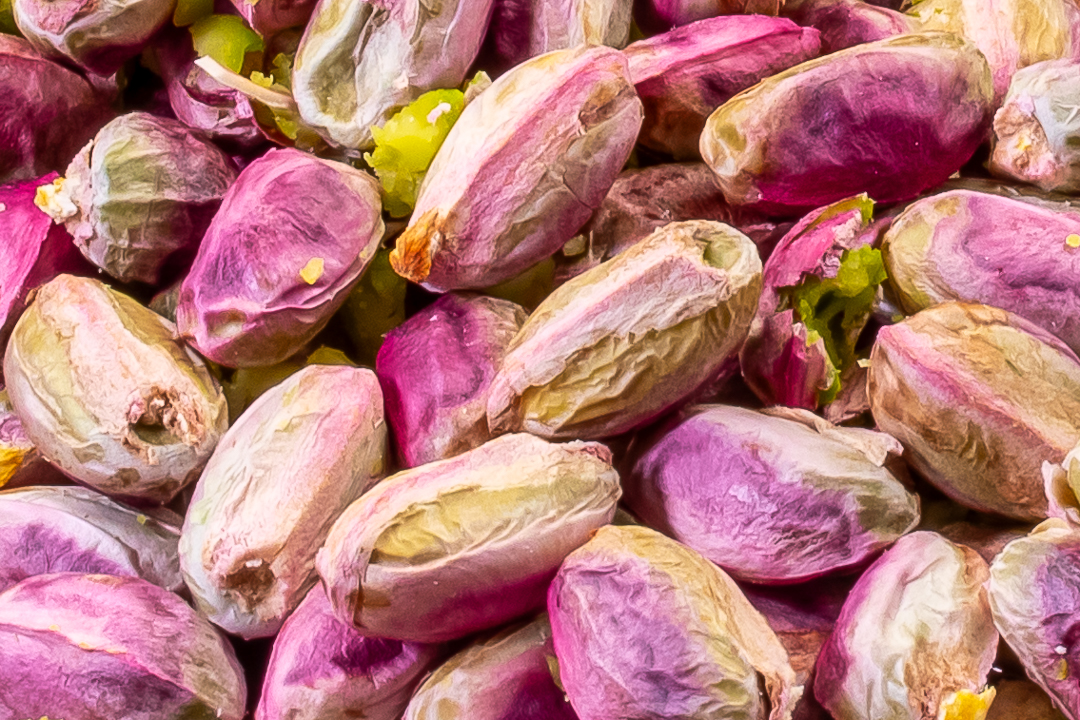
[
  {"x": 435, "y": 369},
  {"x": 847, "y": 23},
  {"x": 246, "y": 302},
  {"x": 1008, "y": 252},
  {"x": 100, "y": 646},
  {"x": 656, "y": 16},
  {"x": 684, "y": 74},
  {"x": 891, "y": 118},
  {"x": 324, "y": 669},
  {"x": 768, "y": 499},
  {"x": 35, "y": 250},
  {"x": 47, "y": 112},
  {"x": 269, "y": 17}
]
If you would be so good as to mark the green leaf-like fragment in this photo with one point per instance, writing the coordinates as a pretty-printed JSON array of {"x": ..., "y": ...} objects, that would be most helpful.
[{"x": 225, "y": 38}]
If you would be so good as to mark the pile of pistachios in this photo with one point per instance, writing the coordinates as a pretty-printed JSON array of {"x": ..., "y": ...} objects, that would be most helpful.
[{"x": 539, "y": 360}]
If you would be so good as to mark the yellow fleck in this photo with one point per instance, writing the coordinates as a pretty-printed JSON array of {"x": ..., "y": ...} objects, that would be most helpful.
[
  {"x": 54, "y": 628},
  {"x": 314, "y": 269},
  {"x": 141, "y": 519},
  {"x": 966, "y": 705},
  {"x": 11, "y": 459},
  {"x": 1073, "y": 240},
  {"x": 85, "y": 645},
  {"x": 1063, "y": 669}
]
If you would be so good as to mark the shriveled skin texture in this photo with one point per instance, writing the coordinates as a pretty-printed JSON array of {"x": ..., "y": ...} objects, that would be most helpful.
[
  {"x": 139, "y": 197},
  {"x": 47, "y": 112},
  {"x": 656, "y": 16},
  {"x": 108, "y": 395},
  {"x": 272, "y": 16},
  {"x": 890, "y": 118},
  {"x": 686, "y": 73},
  {"x": 847, "y": 23},
  {"x": 915, "y": 629},
  {"x": 980, "y": 398},
  {"x": 98, "y": 647},
  {"x": 97, "y": 35},
  {"x": 283, "y": 473},
  {"x": 359, "y": 62},
  {"x": 1012, "y": 253},
  {"x": 1035, "y": 597},
  {"x": 324, "y": 669},
  {"x": 452, "y": 547},
  {"x": 435, "y": 370},
  {"x": 769, "y": 499},
  {"x": 522, "y": 169},
  {"x": 506, "y": 677},
  {"x": 72, "y": 529},
  {"x": 620, "y": 344},
  {"x": 293, "y": 236},
  {"x": 35, "y": 250},
  {"x": 646, "y": 629}
]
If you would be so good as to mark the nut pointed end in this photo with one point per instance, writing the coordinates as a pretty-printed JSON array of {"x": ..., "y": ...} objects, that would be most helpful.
[{"x": 411, "y": 257}]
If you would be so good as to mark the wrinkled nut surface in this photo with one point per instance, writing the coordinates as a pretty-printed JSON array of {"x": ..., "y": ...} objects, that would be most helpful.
[
  {"x": 100, "y": 646},
  {"x": 915, "y": 636},
  {"x": 523, "y": 30},
  {"x": 452, "y": 547},
  {"x": 522, "y": 169},
  {"x": 645, "y": 628},
  {"x": 278, "y": 480},
  {"x": 108, "y": 395},
  {"x": 618, "y": 345},
  {"x": 798, "y": 501},
  {"x": 979, "y": 398},
  {"x": 847, "y": 23}
]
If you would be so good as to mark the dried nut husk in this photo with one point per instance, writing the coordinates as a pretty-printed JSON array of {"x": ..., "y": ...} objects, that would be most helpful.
[
  {"x": 139, "y": 197},
  {"x": 359, "y": 62},
  {"x": 246, "y": 384},
  {"x": 97, "y": 35},
  {"x": 890, "y": 118},
  {"x": 1014, "y": 253},
  {"x": 108, "y": 395},
  {"x": 819, "y": 289},
  {"x": 1036, "y": 132},
  {"x": 1035, "y": 599},
  {"x": 771, "y": 498},
  {"x": 495, "y": 678},
  {"x": 645, "y": 628},
  {"x": 915, "y": 639},
  {"x": 269, "y": 17},
  {"x": 987, "y": 540},
  {"x": 293, "y": 236},
  {"x": 52, "y": 529},
  {"x": 683, "y": 75},
  {"x": 980, "y": 398},
  {"x": 847, "y": 23},
  {"x": 1012, "y": 34},
  {"x": 47, "y": 112},
  {"x": 656, "y": 16},
  {"x": 620, "y": 344},
  {"x": 1022, "y": 699},
  {"x": 324, "y": 669},
  {"x": 644, "y": 199},
  {"x": 278, "y": 480},
  {"x": 17, "y": 452},
  {"x": 436, "y": 368},
  {"x": 521, "y": 170},
  {"x": 79, "y": 645},
  {"x": 460, "y": 545}
]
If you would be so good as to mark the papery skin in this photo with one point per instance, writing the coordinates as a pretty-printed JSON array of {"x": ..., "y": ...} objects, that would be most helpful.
[
  {"x": 1012, "y": 34},
  {"x": 359, "y": 62},
  {"x": 269, "y": 17},
  {"x": 847, "y": 23},
  {"x": 505, "y": 676},
  {"x": 521, "y": 171},
  {"x": 50, "y": 529},
  {"x": 452, "y": 547},
  {"x": 97, "y": 35},
  {"x": 435, "y": 369},
  {"x": 1035, "y": 599},
  {"x": 139, "y": 197},
  {"x": 980, "y": 398},
  {"x": 99, "y": 646},
  {"x": 657, "y": 16},
  {"x": 324, "y": 669},
  {"x": 890, "y": 118},
  {"x": 108, "y": 395},
  {"x": 644, "y": 199},
  {"x": 35, "y": 250},
  {"x": 915, "y": 629},
  {"x": 683, "y": 75},
  {"x": 620, "y": 344},
  {"x": 281, "y": 476},
  {"x": 1009, "y": 252},
  {"x": 245, "y": 301},
  {"x": 646, "y": 628},
  {"x": 797, "y": 501},
  {"x": 47, "y": 112},
  {"x": 1035, "y": 129}
]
